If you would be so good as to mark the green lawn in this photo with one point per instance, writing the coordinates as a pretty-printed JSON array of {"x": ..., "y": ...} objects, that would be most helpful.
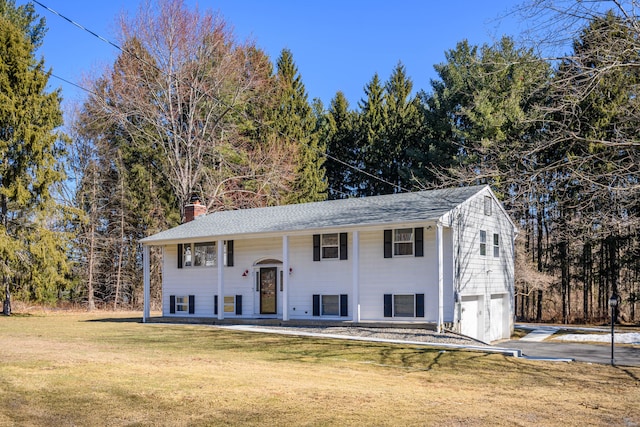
[{"x": 109, "y": 369}]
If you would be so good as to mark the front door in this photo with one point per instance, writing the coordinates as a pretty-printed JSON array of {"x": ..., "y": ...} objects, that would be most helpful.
[{"x": 268, "y": 290}]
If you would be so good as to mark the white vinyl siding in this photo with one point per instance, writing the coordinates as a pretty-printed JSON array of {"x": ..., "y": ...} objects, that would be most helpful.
[
  {"x": 310, "y": 278},
  {"x": 475, "y": 273},
  {"x": 404, "y": 275}
]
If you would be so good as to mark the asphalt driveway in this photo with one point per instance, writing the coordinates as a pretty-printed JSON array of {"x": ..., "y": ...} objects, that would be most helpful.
[{"x": 625, "y": 355}]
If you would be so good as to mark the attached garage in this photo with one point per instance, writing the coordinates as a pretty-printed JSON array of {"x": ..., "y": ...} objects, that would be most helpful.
[
  {"x": 485, "y": 322},
  {"x": 496, "y": 316},
  {"x": 471, "y": 323}
]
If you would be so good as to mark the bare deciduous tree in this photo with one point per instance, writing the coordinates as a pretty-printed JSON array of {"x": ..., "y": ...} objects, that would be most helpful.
[{"x": 183, "y": 85}]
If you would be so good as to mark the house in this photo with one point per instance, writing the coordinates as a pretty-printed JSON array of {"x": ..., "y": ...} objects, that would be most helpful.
[{"x": 444, "y": 257}]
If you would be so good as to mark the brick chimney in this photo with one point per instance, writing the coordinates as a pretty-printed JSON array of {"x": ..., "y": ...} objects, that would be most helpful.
[{"x": 194, "y": 209}]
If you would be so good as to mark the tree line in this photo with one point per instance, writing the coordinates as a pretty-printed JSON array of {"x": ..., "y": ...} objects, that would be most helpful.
[{"x": 187, "y": 110}]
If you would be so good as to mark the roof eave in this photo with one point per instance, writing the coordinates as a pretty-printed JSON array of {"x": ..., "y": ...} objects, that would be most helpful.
[{"x": 301, "y": 232}]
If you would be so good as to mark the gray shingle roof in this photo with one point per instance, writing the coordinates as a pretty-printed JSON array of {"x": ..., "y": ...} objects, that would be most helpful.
[{"x": 375, "y": 210}]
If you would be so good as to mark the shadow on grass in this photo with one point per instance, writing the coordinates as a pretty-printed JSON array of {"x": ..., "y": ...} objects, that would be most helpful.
[
  {"x": 136, "y": 319},
  {"x": 14, "y": 314},
  {"x": 631, "y": 374},
  {"x": 192, "y": 339}
]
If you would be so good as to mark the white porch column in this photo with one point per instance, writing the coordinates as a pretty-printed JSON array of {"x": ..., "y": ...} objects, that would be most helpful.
[
  {"x": 285, "y": 278},
  {"x": 440, "y": 249},
  {"x": 146, "y": 274},
  {"x": 355, "y": 308},
  {"x": 220, "y": 247}
]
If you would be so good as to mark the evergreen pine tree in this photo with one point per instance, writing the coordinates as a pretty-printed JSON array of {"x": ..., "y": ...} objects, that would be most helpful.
[
  {"x": 296, "y": 123},
  {"x": 370, "y": 129},
  {"x": 342, "y": 149},
  {"x": 32, "y": 252},
  {"x": 402, "y": 131}
]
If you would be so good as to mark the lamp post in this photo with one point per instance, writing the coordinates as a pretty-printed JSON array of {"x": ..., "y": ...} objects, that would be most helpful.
[{"x": 613, "y": 303}]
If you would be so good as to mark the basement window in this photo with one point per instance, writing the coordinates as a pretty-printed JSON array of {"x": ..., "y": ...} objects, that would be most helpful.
[
  {"x": 404, "y": 305},
  {"x": 182, "y": 304},
  {"x": 330, "y": 305}
]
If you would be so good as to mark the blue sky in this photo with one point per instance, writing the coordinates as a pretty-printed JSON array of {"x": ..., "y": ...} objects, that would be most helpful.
[{"x": 337, "y": 45}]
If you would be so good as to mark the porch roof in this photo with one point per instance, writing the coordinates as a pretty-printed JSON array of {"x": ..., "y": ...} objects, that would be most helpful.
[{"x": 354, "y": 212}]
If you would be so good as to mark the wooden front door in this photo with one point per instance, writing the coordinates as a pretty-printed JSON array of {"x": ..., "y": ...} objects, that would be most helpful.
[{"x": 268, "y": 290}]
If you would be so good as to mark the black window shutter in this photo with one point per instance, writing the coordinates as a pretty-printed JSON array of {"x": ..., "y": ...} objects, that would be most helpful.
[
  {"x": 316, "y": 247},
  {"x": 215, "y": 304},
  {"x": 344, "y": 305},
  {"x": 388, "y": 309},
  {"x": 419, "y": 305},
  {"x": 316, "y": 305},
  {"x": 419, "y": 237},
  {"x": 388, "y": 243},
  {"x": 229, "y": 253},
  {"x": 192, "y": 304},
  {"x": 343, "y": 245},
  {"x": 179, "y": 255},
  {"x": 172, "y": 304},
  {"x": 238, "y": 305}
]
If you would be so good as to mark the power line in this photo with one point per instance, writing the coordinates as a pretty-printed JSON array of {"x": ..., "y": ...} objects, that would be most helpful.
[
  {"x": 73, "y": 84},
  {"x": 213, "y": 98},
  {"x": 77, "y": 25}
]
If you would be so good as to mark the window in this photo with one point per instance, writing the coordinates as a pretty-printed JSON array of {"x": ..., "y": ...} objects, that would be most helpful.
[
  {"x": 182, "y": 304},
  {"x": 403, "y": 241},
  {"x": 483, "y": 242},
  {"x": 330, "y": 246},
  {"x": 487, "y": 205},
  {"x": 330, "y": 305},
  {"x": 404, "y": 305},
  {"x": 229, "y": 304},
  {"x": 205, "y": 254},
  {"x": 496, "y": 245}
]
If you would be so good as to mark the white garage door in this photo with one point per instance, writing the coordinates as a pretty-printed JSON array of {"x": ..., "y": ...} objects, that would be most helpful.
[
  {"x": 497, "y": 317},
  {"x": 470, "y": 316}
]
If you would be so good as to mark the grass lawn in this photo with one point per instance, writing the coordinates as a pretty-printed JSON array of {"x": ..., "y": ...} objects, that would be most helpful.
[{"x": 108, "y": 369}]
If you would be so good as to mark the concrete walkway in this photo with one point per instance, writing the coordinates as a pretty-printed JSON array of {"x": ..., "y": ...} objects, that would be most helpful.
[
  {"x": 535, "y": 346},
  {"x": 540, "y": 334},
  {"x": 487, "y": 349}
]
